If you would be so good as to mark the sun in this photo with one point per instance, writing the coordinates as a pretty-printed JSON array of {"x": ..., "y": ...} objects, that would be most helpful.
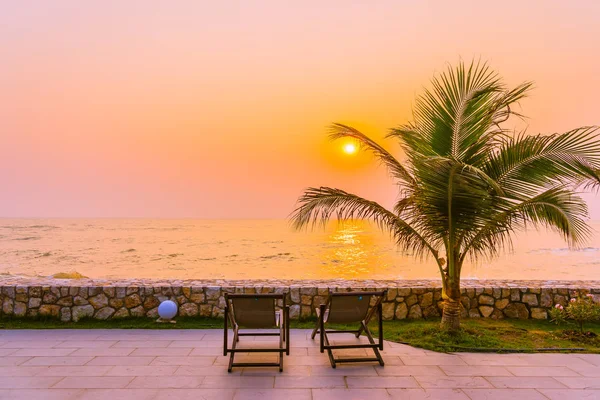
[{"x": 350, "y": 148}]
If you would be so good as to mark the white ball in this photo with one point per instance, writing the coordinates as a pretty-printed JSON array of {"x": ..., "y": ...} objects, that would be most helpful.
[{"x": 167, "y": 309}]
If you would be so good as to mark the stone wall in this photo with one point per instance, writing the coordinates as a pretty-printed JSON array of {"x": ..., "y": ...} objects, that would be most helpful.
[{"x": 71, "y": 300}]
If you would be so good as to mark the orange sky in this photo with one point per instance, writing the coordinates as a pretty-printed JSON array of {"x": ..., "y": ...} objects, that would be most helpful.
[{"x": 218, "y": 109}]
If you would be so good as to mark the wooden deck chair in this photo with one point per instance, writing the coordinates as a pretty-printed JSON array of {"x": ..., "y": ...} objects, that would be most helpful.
[
  {"x": 349, "y": 308},
  {"x": 256, "y": 311}
]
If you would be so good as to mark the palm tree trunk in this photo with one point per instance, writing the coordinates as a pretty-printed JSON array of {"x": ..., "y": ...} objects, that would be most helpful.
[{"x": 451, "y": 305}]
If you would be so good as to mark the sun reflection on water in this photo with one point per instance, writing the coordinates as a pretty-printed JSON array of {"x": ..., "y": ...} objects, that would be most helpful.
[{"x": 350, "y": 250}]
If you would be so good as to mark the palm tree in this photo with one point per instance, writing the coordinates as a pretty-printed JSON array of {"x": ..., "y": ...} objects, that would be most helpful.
[{"x": 466, "y": 184}]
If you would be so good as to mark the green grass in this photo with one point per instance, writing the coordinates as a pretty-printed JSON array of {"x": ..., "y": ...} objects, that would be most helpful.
[{"x": 475, "y": 335}]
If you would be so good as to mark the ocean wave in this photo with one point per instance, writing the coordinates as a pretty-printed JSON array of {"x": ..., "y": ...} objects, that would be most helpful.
[
  {"x": 564, "y": 250},
  {"x": 28, "y": 238},
  {"x": 278, "y": 255}
]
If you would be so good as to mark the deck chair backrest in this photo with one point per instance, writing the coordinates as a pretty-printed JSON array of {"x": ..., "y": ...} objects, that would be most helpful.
[
  {"x": 254, "y": 312},
  {"x": 346, "y": 308}
]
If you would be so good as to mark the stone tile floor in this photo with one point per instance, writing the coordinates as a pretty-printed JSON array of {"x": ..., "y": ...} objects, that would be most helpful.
[{"x": 188, "y": 364}]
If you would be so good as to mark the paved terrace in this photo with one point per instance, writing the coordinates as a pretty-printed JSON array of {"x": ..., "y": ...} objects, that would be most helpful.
[{"x": 188, "y": 364}]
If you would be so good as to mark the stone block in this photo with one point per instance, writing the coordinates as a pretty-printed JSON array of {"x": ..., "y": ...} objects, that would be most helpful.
[
  {"x": 516, "y": 310},
  {"x": 65, "y": 301},
  {"x": 559, "y": 299},
  {"x": 19, "y": 309},
  {"x": 22, "y": 297},
  {"x": 391, "y": 294},
  {"x": 213, "y": 292},
  {"x": 501, "y": 304},
  {"x": 35, "y": 302},
  {"x": 120, "y": 292},
  {"x": 515, "y": 295},
  {"x": 137, "y": 311},
  {"x": 49, "y": 298},
  {"x": 294, "y": 311},
  {"x": 104, "y": 313},
  {"x": 295, "y": 294},
  {"x": 546, "y": 298},
  {"x": 98, "y": 301},
  {"x": 132, "y": 301},
  {"x": 131, "y": 290},
  {"x": 79, "y": 312},
  {"x": 188, "y": 310},
  {"x": 197, "y": 298},
  {"x": 205, "y": 310},
  {"x": 539, "y": 313},
  {"x": 486, "y": 300},
  {"x": 121, "y": 313},
  {"x": 151, "y": 302},
  {"x": 65, "y": 314},
  {"x": 305, "y": 311},
  {"x": 116, "y": 303},
  {"x": 152, "y": 313},
  {"x": 415, "y": 312},
  {"x": 80, "y": 301},
  {"x": 388, "y": 311},
  {"x": 426, "y": 299},
  {"x": 530, "y": 299},
  {"x": 486, "y": 311},
  {"x": 9, "y": 291},
  {"x": 47, "y": 310}
]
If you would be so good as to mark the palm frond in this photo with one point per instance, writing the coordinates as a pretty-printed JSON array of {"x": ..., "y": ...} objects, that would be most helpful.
[
  {"x": 460, "y": 116},
  {"x": 319, "y": 205},
  {"x": 524, "y": 164},
  {"x": 340, "y": 131},
  {"x": 558, "y": 209}
]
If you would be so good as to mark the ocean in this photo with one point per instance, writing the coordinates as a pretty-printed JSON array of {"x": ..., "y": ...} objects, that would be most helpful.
[{"x": 260, "y": 249}]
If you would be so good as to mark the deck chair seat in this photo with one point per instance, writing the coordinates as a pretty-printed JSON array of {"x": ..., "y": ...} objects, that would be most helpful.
[
  {"x": 256, "y": 312},
  {"x": 351, "y": 308}
]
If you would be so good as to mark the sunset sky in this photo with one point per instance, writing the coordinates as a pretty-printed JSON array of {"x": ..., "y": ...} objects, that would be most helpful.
[{"x": 216, "y": 109}]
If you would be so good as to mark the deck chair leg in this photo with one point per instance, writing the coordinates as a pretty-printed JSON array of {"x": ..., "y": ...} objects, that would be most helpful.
[
  {"x": 286, "y": 321},
  {"x": 329, "y": 351},
  {"x": 225, "y": 331},
  {"x": 316, "y": 330},
  {"x": 323, "y": 337},
  {"x": 233, "y": 346},
  {"x": 372, "y": 341}
]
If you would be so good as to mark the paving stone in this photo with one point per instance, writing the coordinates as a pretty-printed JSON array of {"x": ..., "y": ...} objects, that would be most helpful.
[
  {"x": 45, "y": 394},
  {"x": 528, "y": 382},
  {"x": 429, "y": 394},
  {"x": 452, "y": 382},
  {"x": 28, "y": 382},
  {"x": 273, "y": 394},
  {"x": 345, "y": 394},
  {"x": 173, "y": 382},
  {"x": 571, "y": 394},
  {"x": 381, "y": 382},
  {"x": 504, "y": 394},
  {"x": 577, "y": 383}
]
